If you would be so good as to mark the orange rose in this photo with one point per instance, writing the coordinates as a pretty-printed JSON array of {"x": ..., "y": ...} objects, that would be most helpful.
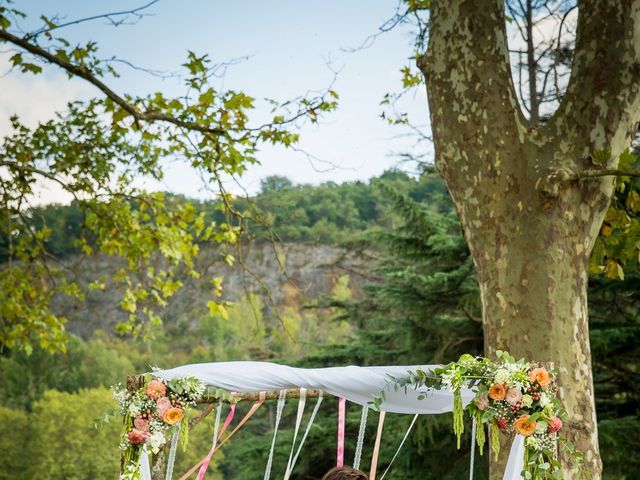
[
  {"x": 524, "y": 426},
  {"x": 173, "y": 415},
  {"x": 541, "y": 376},
  {"x": 498, "y": 392},
  {"x": 156, "y": 389}
]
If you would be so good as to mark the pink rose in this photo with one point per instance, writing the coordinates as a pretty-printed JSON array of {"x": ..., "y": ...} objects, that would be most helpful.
[
  {"x": 555, "y": 424},
  {"x": 137, "y": 437},
  {"x": 502, "y": 424},
  {"x": 163, "y": 405},
  {"x": 141, "y": 424},
  {"x": 514, "y": 395},
  {"x": 481, "y": 401},
  {"x": 156, "y": 389}
]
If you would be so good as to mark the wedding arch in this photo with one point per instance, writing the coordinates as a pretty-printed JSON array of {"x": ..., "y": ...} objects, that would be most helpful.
[{"x": 506, "y": 397}]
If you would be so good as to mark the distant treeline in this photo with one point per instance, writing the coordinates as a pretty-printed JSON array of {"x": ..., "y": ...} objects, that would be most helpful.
[{"x": 328, "y": 213}]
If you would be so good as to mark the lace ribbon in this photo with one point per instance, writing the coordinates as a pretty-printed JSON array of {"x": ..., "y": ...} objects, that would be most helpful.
[{"x": 360, "y": 442}]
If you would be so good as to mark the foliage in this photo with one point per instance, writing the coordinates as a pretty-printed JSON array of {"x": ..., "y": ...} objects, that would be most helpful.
[
  {"x": 510, "y": 396},
  {"x": 64, "y": 443},
  {"x": 15, "y": 435},
  {"x": 93, "y": 151},
  {"x": 24, "y": 378},
  {"x": 618, "y": 246}
]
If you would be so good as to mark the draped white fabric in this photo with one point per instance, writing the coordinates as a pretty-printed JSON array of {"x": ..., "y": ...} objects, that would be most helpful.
[{"x": 357, "y": 384}]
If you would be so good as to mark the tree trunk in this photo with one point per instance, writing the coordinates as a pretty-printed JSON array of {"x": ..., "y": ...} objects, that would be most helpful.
[{"x": 529, "y": 228}]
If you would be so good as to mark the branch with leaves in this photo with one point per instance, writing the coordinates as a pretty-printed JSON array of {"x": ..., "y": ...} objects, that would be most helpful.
[{"x": 95, "y": 151}]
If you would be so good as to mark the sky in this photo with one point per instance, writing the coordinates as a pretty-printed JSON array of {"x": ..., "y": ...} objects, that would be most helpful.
[{"x": 289, "y": 44}]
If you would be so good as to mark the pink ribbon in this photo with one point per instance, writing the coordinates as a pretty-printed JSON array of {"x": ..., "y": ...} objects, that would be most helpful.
[
  {"x": 219, "y": 444},
  {"x": 207, "y": 460},
  {"x": 342, "y": 410}
]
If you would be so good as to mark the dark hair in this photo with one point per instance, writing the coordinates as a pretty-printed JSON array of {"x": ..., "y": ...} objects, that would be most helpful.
[{"x": 344, "y": 473}]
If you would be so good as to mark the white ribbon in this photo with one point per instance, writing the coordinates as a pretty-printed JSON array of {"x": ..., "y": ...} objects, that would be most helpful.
[
  {"x": 279, "y": 408},
  {"x": 143, "y": 462},
  {"x": 515, "y": 464},
  {"x": 306, "y": 432},
  {"x": 172, "y": 453},
  {"x": 360, "y": 442},
  {"x": 301, "y": 404},
  {"x": 473, "y": 447},
  {"x": 406, "y": 435}
]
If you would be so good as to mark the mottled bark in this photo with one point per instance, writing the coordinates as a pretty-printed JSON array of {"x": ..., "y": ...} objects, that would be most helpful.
[{"x": 530, "y": 227}]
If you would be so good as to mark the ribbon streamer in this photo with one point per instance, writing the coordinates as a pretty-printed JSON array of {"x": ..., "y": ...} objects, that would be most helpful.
[
  {"x": 172, "y": 453},
  {"x": 404, "y": 439},
  {"x": 473, "y": 446},
  {"x": 216, "y": 437},
  {"x": 281, "y": 399},
  {"x": 306, "y": 432},
  {"x": 253, "y": 409},
  {"x": 376, "y": 448},
  {"x": 301, "y": 404},
  {"x": 360, "y": 442},
  {"x": 309, "y": 424},
  {"x": 342, "y": 410},
  {"x": 145, "y": 468}
]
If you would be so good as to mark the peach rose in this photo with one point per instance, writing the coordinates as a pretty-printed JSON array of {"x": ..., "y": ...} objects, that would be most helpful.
[
  {"x": 137, "y": 437},
  {"x": 163, "y": 405},
  {"x": 172, "y": 416},
  {"x": 498, "y": 392},
  {"x": 141, "y": 424},
  {"x": 541, "y": 376},
  {"x": 555, "y": 424},
  {"x": 524, "y": 426},
  {"x": 156, "y": 389},
  {"x": 513, "y": 396},
  {"x": 481, "y": 401}
]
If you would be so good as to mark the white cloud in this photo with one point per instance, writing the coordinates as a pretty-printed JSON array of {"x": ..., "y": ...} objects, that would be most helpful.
[{"x": 36, "y": 98}]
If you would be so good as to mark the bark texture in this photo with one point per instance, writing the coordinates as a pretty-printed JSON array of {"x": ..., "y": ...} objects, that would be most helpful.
[{"x": 530, "y": 227}]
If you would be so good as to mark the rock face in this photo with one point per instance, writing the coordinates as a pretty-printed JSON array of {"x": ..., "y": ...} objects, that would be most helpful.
[{"x": 282, "y": 272}]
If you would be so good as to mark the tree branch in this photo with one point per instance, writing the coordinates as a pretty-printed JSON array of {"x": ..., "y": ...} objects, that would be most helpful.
[
  {"x": 108, "y": 16},
  {"x": 603, "y": 95},
  {"x": 587, "y": 174},
  {"x": 550, "y": 184},
  {"x": 84, "y": 73}
]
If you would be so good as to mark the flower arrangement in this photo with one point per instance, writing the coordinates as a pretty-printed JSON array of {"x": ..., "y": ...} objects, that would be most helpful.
[
  {"x": 152, "y": 414},
  {"x": 510, "y": 396}
]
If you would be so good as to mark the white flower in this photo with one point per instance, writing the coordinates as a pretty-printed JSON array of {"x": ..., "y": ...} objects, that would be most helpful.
[
  {"x": 541, "y": 426},
  {"x": 155, "y": 441},
  {"x": 501, "y": 376},
  {"x": 527, "y": 400},
  {"x": 446, "y": 380},
  {"x": 533, "y": 442},
  {"x": 134, "y": 410},
  {"x": 544, "y": 400}
]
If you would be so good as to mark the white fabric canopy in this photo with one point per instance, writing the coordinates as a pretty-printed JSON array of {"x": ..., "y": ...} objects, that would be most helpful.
[{"x": 357, "y": 384}]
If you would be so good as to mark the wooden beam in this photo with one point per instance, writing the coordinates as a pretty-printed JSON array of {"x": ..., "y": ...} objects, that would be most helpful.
[{"x": 253, "y": 396}]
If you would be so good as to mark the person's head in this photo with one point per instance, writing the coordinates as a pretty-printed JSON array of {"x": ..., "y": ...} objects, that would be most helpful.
[{"x": 344, "y": 473}]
